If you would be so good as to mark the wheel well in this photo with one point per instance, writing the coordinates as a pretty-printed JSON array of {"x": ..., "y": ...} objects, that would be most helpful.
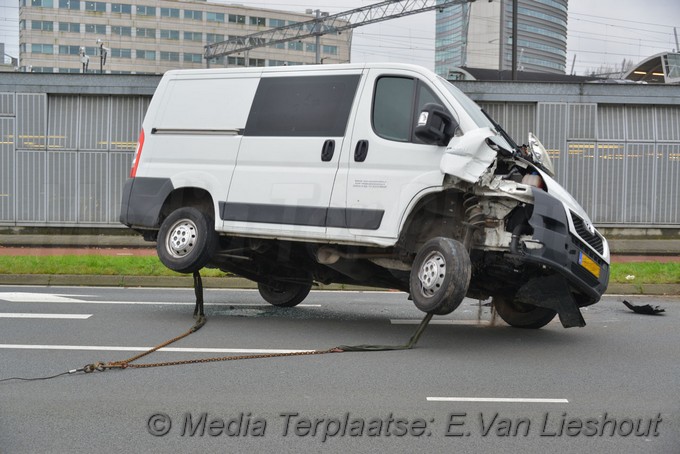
[
  {"x": 187, "y": 197},
  {"x": 440, "y": 214}
]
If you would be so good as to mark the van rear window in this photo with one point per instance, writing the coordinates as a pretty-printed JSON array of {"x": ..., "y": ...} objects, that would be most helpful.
[{"x": 307, "y": 106}]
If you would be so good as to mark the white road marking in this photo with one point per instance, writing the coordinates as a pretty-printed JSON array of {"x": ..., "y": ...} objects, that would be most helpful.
[
  {"x": 20, "y": 297},
  {"x": 439, "y": 322},
  {"x": 47, "y": 316},
  {"x": 529, "y": 400},
  {"x": 17, "y": 297},
  {"x": 142, "y": 349}
]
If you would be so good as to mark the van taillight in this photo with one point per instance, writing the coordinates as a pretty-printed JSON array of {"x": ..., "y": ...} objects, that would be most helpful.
[{"x": 138, "y": 154}]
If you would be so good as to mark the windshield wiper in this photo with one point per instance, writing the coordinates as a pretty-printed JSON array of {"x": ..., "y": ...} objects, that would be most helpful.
[{"x": 502, "y": 132}]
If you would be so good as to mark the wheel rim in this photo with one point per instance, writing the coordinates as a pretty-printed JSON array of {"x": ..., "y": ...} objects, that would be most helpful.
[
  {"x": 182, "y": 238},
  {"x": 432, "y": 273}
]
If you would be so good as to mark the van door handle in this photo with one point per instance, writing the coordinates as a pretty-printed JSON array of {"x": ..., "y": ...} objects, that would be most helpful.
[
  {"x": 361, "y": 151},
  {"x": 327, "y": 150}
]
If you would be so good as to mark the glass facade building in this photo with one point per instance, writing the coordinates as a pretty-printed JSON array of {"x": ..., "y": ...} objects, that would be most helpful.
[{"x": 479, "y": 35}]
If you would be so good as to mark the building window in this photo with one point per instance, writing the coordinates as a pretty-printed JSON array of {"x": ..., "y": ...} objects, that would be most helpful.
[
  {"x": 330, "y": 50},
  {"x": 146, "y": 54},
  {"x": 169, "y": 56},
  {"x": 146, "y": 33},
  {"x": 146, "y": 10},
  {"x": 194, "y": 15},
  {"x": 170, "y": 34},
  {"x": 277, "y": 23},
  {"x": 237, "y": 19},
  {"x": 193, "y": 36},
  {"x": 277, "y": 63},
  {"x": 39, "y": 3},
  {"x": 99, "y": 7},
  {"x": 170, "y": 12},
  {"x": 69, "y": 50},
  {"x": 278, "y": 46},
  {"x": 259, "y": 21},
  {"x": 238, "y": 61},
  {"x": 121, "y": 8},
  {"x": 42, "y": 69},
  {"x": 214, "y": 17},
  {"x": 22, "y": 24},
  {"x": 310, "y": 47},
  {"x": 98, "y": 29},
  {"x": 69, "y": 70},
  {"x": 121, "y": 53},
  {"x": 42, "y": 49},
  {"x": 46, "y": 26},
  {"x": 121, "y": 31},
  {"x": 69, "y": 4},
  {"x": 294, "y": 45},
  {"x": 214, "y": 38},
  {"x": 71, "y": 27},
  {"x": 193, "y": 58},
  {"x": 256, "y": 62}
]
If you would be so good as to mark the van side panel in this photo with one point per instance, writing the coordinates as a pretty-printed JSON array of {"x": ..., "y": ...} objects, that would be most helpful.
[{"x": 194, "y": 135}]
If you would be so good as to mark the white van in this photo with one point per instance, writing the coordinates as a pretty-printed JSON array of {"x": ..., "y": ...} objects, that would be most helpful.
[{"x": 382, "y": 175}]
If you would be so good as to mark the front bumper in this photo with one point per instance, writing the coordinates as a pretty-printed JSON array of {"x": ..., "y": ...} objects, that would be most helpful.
[{"x": 565, "y": 250}]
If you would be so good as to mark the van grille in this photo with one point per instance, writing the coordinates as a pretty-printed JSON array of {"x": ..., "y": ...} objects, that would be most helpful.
[{"x": 594, "y": 240}]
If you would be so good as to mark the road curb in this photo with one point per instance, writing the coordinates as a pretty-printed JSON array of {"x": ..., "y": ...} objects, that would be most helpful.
[{"x": 76, "y": 280}]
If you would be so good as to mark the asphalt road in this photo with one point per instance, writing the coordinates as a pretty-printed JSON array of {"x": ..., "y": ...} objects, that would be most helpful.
[{"x": 470, "y": 385}]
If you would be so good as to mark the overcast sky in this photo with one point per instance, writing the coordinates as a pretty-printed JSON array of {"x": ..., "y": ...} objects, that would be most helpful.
[{"x": 600, "y": 32}]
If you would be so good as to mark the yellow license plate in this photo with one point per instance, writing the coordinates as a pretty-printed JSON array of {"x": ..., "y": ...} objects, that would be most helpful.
[{"x": 588, "y": 263}]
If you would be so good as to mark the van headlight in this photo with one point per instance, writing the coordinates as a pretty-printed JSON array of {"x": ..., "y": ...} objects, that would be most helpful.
[{"x": 540, "y": 154}]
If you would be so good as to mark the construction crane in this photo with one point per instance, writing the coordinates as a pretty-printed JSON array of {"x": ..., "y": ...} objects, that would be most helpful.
[{"x": 325, "y": 24}]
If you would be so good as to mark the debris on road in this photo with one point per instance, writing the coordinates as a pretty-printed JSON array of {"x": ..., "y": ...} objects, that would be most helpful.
[{"x": 646, "y": 309}]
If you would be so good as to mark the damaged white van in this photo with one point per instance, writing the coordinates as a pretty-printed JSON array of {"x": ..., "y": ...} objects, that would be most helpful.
[{"x": 383, "y": 175}]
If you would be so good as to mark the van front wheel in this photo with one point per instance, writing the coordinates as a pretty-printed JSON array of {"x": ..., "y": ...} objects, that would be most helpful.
[
  {"x": 284, "y": 294},
  {"x": 186, "y": 240},
  {"x": 522, "y": 315},
  {"x": 440, "y": 276}
]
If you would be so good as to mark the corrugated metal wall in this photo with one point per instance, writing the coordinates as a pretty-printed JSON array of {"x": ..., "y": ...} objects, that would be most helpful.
[
  {"x": 621, "y": 162},
  {"x": 64, "y": 158}
]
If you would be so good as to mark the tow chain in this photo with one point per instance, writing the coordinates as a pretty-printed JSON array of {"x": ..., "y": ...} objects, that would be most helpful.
[{"x": 201, "y": 320}]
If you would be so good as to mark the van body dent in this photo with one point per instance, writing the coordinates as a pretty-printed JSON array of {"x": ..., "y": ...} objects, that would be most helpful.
[{"x": 383, "y": 175}]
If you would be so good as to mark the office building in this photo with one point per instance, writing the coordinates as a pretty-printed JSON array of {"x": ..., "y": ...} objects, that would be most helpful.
[{"x": 146, "y": 36}]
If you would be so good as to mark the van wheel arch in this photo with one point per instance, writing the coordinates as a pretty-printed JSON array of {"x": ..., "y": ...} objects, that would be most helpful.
[
  {"x": 197, "y": 198},
  {"x": 435, "y": 215}
]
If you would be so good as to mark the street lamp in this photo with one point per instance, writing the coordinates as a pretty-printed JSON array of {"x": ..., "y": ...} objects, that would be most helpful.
[
  {"x": 317, "y": 31},
  {"x": 84, "y": 59},
  {"x": 103, "y": 52}
]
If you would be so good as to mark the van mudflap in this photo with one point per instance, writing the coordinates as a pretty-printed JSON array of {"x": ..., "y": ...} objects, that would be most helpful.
[{"x": 553, "y": 292}]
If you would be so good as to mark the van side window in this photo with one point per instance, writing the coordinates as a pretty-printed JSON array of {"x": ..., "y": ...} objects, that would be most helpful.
[
  {"x": 393, "y": 108},
  {"x": 396, "y": 106},
  {"x": 303, "y": 106}
]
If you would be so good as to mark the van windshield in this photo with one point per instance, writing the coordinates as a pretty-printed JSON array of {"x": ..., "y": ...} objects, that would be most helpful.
[{"x": 469, "y": 105}]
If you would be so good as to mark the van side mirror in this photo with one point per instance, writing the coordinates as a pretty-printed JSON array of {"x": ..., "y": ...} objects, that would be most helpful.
[{"x": 435, "y": 125}]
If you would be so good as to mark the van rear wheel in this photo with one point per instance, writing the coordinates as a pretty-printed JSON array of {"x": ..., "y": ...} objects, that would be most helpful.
[
  {"x": 440, "y": 276},
  {"x": 522, "y": 315},
  {"x": 284, "y": 294},
  {"x": 186, "y": 240}
]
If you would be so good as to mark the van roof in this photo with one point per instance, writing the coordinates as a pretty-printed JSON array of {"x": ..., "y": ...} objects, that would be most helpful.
[{"x": 297, "y": 68}]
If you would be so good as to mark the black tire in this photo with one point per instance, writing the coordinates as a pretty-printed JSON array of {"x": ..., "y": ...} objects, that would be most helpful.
[
  {"x": 440, "y": 276},
  {"x": 284, "y": 294},
  {"x": 186, "y": 240},
  {"x": 521, "y": 315}
]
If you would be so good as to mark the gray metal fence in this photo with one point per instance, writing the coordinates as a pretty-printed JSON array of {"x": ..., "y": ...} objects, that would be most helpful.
[{"x": 66, "y": 145}]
